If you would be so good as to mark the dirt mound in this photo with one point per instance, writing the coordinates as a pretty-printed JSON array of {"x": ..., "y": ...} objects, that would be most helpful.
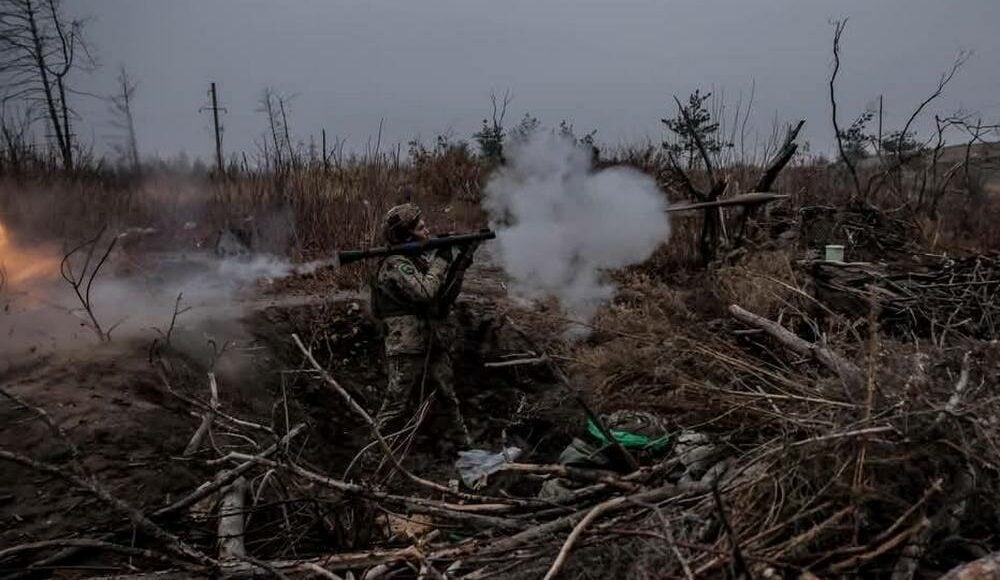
[{"x": 112, "y": 406}]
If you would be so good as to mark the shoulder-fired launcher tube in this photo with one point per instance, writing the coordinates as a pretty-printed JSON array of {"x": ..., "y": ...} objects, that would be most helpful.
[{"x": 414, "y": 248}]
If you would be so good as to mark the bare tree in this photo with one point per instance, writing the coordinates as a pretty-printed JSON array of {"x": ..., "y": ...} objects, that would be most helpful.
[
  {"x": 121, "y": 107},
  {"x": 82, "y": 279},
  {"x": 838, "y": 30},
  {"x": 275, "y": 106},
  {"x": 39, "y": 48}
]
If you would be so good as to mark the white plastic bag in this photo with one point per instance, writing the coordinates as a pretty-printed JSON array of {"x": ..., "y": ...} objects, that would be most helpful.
[{"x": 475, "y": 465}]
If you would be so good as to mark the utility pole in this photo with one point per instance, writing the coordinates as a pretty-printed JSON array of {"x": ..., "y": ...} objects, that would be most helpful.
[
  {"x": 219, "y": 165},
  {"x": 326, "y": 160}
]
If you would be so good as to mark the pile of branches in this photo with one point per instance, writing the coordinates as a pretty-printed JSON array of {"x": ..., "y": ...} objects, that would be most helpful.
[
  {"x": 946, "y": 298},
  {"x": 864, "y": 456},
  {"x": 881, "y": 465},
  {"x": 222, "y": 528},
  {"x": 884, "y": 466}
]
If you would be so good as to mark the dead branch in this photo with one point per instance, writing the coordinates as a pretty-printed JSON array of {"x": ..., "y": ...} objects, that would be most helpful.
[
  {"x": 219, "y": 413},
  {"x": 453, "y": 512},
  {"x": 848, "y": 372},
  {"x": 360, "y": 411},
  {"x": 784, "y": 155},
  {"x": 746, "y": 199},
  {"x": 516, "y": 362},
  {"x": 206, "y": 418},
  {"x": 173, "y": 319},
  {"x": 547, "y": 529},
  {"x": 344, "y": 561},
  {"x": 224, "y": 478},
  {"x": 838, "y": 30},
  {"x": 888, "y": 545},
  {"x": 577, "y": 531},
  {"x": 170, "y": 542},
  {"x": 741, "y": 568},
  {"x": 82, "y": 282},
  {"x": 575, "y": 473},
  {"x": 91, "y": 544}
]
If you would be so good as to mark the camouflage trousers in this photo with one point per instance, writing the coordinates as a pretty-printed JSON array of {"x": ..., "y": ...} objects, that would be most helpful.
[{"x": 411, "y": 378}]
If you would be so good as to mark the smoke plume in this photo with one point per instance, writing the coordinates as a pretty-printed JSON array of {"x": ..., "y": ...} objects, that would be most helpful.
[{"x": 561, "y": 224}]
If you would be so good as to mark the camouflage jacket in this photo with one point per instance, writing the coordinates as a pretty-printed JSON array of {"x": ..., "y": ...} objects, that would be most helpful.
[{"x": 403, "y": 295}]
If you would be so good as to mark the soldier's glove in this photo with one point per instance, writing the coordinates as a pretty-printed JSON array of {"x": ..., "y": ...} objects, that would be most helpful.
[
  {"x": 446, "y": 253},
  {"x": 465, "y": 256}
]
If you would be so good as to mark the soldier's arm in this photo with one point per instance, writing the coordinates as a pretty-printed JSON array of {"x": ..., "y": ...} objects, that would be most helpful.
[
  {"x": 455, "y": 276},
  {"x": 413, "y": 285}
]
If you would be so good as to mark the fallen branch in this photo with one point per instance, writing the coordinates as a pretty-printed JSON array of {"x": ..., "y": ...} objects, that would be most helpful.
[
  {"x": 745, "y": 199},
  {"x": 547, "y": 529},
  {"x": 206, "y": 418},
  {"x": 577, "y": 531},
  {"x": 893, "y": 542},
  {"x": 570, "y": 472},
  {"x": 848, "y": 372},
  {"x": 224, "y": 478},
  {"x": 171, "y": 542},
  {"x": 360, "y": 411},
  {"x": 88, "y": 543},
  {"x": 454, "y": 512},
  {"x": 516, "y": 362}
]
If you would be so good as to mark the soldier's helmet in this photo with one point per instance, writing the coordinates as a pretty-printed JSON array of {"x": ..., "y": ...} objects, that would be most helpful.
[{"x": 400, "y": 221}]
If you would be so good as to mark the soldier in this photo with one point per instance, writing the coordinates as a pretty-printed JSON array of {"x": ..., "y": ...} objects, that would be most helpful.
[{"x": 411, "y": 296}]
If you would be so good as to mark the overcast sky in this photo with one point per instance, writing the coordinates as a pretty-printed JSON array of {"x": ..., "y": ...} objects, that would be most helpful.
[{"x": 427, "y": 67}]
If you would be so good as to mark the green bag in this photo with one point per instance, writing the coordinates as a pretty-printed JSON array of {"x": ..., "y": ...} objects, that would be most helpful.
[{"x": 628, "y": 440}]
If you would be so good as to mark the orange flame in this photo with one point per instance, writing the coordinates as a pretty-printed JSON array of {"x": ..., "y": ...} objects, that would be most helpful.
[{"x": 20, "y": 265}]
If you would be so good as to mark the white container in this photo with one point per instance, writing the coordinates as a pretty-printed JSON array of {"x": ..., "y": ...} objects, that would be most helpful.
[{"x": 834, "y": 253}]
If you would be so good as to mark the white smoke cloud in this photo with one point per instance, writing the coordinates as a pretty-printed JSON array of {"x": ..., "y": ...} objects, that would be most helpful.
[
  {"x": 560, "y": 224},
  {"x": 45, "y": 315}
]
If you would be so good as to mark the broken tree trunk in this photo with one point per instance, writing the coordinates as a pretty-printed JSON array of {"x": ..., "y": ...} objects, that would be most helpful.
[
  {"x": 767, "y": 179},
  {"x": 231, "y": 519}
]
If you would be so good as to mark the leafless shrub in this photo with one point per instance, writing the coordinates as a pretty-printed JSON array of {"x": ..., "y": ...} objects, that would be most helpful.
[{"x": 82, "y": 279}]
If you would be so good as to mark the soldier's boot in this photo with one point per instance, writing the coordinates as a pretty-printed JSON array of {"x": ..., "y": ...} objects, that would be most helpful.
[{"x": 443, "y": 377}]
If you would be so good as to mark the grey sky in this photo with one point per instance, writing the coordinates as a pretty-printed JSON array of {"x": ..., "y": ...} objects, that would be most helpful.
[{"x": 427, "y": 67}]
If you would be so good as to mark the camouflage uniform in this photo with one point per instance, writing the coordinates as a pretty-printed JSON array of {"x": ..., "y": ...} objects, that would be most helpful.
[{"x": 406, "y": 294}]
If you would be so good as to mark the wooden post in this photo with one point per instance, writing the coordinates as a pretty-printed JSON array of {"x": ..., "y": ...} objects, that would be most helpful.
[
  {"x": 326, "y": 160},
  {"x": 219, "y": 164},
  {"x": 218, "y": 132}
]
